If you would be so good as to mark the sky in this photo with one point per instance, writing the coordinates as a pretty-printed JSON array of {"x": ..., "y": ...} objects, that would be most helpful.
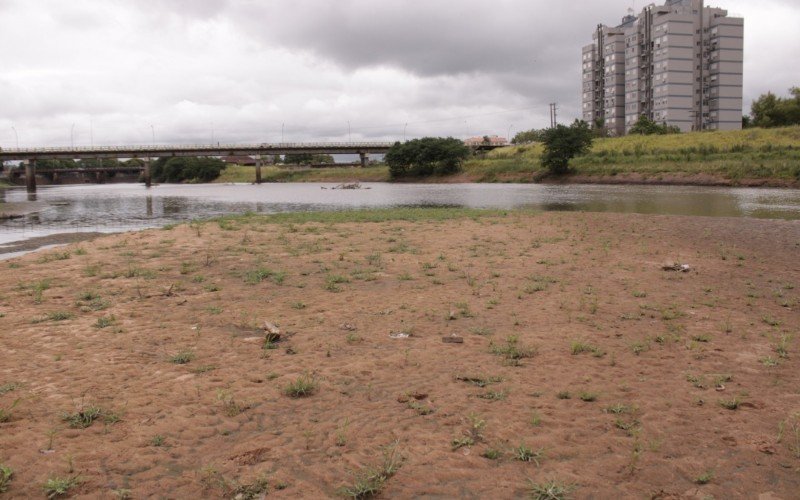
[{"x": 109, "y": 72}]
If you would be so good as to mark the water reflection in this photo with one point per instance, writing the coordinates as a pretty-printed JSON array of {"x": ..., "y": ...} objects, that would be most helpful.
[{"x": 119, "y": 207}]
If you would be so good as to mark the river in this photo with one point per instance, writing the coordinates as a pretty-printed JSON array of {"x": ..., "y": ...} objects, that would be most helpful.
[{"x": 121, "y": 207}]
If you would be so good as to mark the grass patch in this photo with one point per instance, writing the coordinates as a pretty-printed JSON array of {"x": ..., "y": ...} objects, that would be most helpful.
[
  {"x": 525, "y": 454},
  {"x": 182, "y": 357},
  {"x": 82, "y": 418},
  {"x": 550, "y": 490},
  {"x": 582, "y": 347},
  {"x": 370, "y": 481},
  {"x": 302, "y": 386},
  {"x": 59, "y": 486},
  {"x": 5, "y": 477},
  {"x": 257, "y": 276},
  {"x": 511, "y": 351}
]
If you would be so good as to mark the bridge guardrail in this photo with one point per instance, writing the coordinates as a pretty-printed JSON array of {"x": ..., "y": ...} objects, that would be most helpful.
[{"x": 200, "y": 147}]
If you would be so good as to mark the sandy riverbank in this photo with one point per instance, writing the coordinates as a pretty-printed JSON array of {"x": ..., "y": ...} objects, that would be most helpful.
[{"x": 613, "y": 377}]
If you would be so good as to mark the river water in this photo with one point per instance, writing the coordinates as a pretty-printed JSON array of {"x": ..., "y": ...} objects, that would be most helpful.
[{"x": 121, "y": 207}]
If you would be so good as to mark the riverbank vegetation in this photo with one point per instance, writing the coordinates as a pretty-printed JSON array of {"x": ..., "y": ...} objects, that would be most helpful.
[
  {"x": 769, "y": 154},
  {"x": 755, "y": 155}
]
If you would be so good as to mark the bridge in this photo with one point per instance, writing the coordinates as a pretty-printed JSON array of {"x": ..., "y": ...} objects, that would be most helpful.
[{"x": 147, "y": 153}]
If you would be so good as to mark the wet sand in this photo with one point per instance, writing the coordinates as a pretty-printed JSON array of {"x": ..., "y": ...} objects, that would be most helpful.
[{"x": 621, "y": 379}]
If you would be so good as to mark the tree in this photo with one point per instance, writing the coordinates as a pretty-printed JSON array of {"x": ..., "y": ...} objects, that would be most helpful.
[
  {"x": 563, "y": 143},
  {"x": 306, "y": 159},
  {"x": 180, "y": 169},
  {"x": 528, "y": 136},
  {"x": 426, "y": 156},
  {"x": 646, "y": 126},
  {"x": 770, "y": 110}
]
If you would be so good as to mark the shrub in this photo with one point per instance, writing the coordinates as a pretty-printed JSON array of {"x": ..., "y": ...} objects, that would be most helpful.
[
  {"x": 563, "y": 143},
  {"x": 186, "y": 169},
  {"x": 426, "y": 156}
]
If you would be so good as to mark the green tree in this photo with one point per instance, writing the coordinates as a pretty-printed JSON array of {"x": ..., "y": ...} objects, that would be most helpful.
[
  {"x": 563, "y": 143},
  {"x": 306, "y": 159},
  {"x": 646, "y": 126},
  {"x": 426, "y": 156},
  {"x": 770, "y": 110},
  {"x": 528, "y": 136},
  {"x": 180, "y": 169}
]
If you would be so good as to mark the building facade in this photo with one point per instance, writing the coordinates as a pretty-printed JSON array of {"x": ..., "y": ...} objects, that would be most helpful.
[{"x": 678, "y": 64}]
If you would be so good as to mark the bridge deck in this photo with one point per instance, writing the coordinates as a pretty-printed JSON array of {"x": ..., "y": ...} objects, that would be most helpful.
[{"x": 194, "y": 150}]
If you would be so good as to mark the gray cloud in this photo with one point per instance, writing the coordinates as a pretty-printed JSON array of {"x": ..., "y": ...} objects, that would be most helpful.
[{"x": 241, "y": 70}]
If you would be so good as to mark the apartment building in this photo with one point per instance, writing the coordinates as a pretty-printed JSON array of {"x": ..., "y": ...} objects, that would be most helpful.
[{"x": 679, "y": 64}]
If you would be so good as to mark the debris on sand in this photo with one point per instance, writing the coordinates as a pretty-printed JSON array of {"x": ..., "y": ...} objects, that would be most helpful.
[
  {"x": 452, "y": 339},
  {"x": 676, "y": 266},
  {"x": 273, "y": 333},
  {"x": 348, "y": 327},
  {"x": 354, "y": 185},
  {"x": 399, "y": 335}
]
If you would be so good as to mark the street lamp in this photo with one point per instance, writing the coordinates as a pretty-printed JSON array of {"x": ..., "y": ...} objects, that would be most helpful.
[
  {"x": 153, "y": 130},
  {"x": 404, "y": 132},
  {"x": 283, "y": 125},
  {"x": 509, "y": 132},
  {"x": 15, "y": 135},
  {"x": 72, "y": 137}
]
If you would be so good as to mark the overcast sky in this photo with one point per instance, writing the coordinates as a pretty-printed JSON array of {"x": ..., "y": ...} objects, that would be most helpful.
[{"x": 121, "y": 71}]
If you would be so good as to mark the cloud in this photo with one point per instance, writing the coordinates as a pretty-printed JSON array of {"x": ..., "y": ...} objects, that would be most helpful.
[{"x": 243, "y": 70}]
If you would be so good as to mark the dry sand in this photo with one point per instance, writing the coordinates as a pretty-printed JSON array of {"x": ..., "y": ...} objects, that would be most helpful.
[{"x": 669, "y": 349}]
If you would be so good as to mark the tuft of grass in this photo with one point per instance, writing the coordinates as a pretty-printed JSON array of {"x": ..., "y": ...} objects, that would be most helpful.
[
  {"x": 158, "y": 440},
  {"x": 105, "y": 322},
  {"x": 525, "y": 454},
  {"x": 512, "y": 351},
  {"x": 301, "y": 387},
  {"x": 730, "y": 404},
  {"x": 82, "y": 418},
  {"x": 59, "y": 486},
  {"x": 370, "y": 481},
  {"x": 481, "y": 330},
  {"x": 550, "y": 490},
  {"x": 705, "y": 477},
  {"x": 461, "y": 442},
  {"x": 10, "y": 386},
  {"x": 494, "y": 395},
  {"x": 332, "y": 282},
  {"x": 588, "y": 396},
  {"x": 53, "y": 316},
  {"x": 251, "y": 491},
  {"x": 491, "y": 454},
  {"x": 6, "y": 473},
  {"x": 182, "y": 357},
  {"x": 5, "y": 413},
  {"x": 564, "y": 395},
  {"x": 479, "y": 380},
  {"x": 582, "y": 347},
  {"x": 256, "y": 276}
]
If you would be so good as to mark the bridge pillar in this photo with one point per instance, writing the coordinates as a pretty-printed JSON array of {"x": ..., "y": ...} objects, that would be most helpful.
[
  {"x": 30, "y": 176},
  {"x": 364, "y": 159},
  {"x": 258, "y": 170},
  {"x": 148, "y": 178}
]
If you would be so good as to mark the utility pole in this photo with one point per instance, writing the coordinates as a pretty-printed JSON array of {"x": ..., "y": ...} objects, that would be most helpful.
[{"x": 553, "y": 114}]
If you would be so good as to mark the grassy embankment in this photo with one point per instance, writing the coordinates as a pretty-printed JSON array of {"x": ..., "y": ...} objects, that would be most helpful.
[
  {"x": 753, "y": 156},
  {"x": 733, "y": 156}
]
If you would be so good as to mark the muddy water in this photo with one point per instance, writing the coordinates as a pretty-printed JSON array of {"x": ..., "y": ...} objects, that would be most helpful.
[{"x": 121, "y": 207}]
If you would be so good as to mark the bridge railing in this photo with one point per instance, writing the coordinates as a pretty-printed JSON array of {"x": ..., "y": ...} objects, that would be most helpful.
[{"x": 202, "y": 147}]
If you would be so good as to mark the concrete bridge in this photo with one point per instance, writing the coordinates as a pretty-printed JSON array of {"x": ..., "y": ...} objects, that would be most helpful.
[{"x": 147, "y": 153}]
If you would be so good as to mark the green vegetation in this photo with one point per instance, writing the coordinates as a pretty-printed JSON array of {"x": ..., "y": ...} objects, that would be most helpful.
[
  {"x": 562, "y": 144},
  {"x": 370, "y": 481},
  {"x": 646, "y": 126},
  {"x": 303, "y": 386},
  {"x": 550, "y": 490},
  {"x": 5, "y": 477},
  {"x": 180, "y": 169},
  {"x": 772, "y": 111},
  {"x": 372, "y": 215},
  {"x": 425, "y": 157},
  {"x": 732, "y": 155},
  {"x": 60, "y": 486}
]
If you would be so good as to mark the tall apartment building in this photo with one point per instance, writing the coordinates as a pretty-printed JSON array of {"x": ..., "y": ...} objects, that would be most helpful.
[{"x": 679, "y": 64}]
